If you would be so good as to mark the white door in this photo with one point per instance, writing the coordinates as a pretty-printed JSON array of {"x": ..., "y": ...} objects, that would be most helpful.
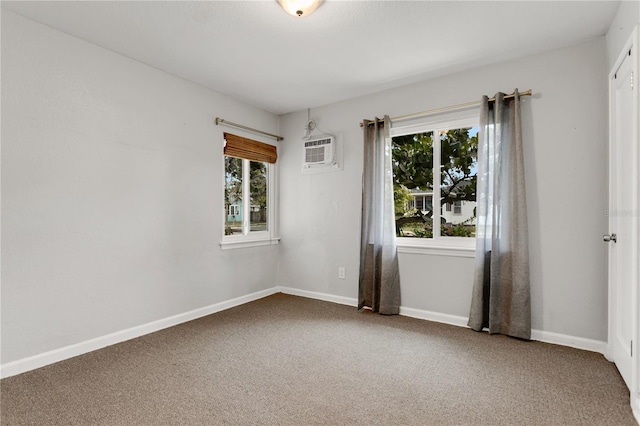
[{"x": 623, "y": 221}]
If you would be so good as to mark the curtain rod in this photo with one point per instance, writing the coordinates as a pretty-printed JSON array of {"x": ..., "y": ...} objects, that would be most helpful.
[
  {"x": 219, "y": 121},
  {"x": 449, "y": 108}
]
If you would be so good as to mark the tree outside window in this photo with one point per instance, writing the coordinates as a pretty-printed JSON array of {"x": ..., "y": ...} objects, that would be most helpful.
[{"x": 417, "y": 158}]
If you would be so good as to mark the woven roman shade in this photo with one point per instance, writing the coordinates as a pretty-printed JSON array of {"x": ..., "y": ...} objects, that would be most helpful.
[{"x": 237, "y": 146}]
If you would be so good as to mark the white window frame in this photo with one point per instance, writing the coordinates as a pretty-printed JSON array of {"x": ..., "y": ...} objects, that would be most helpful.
[
  {"x": 253, "y": 238},
  {"x": 438, "y": 245}
]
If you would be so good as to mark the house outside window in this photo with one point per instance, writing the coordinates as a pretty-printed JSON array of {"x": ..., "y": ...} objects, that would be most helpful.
[{"x": 435, "y": 166}]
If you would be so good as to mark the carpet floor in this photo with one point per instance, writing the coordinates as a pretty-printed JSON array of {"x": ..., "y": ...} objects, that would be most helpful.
[{"x": 286, "y": 360}]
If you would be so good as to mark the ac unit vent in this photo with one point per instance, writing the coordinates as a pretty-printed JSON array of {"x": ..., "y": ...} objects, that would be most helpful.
[
  {"x": 318, "y": 142},
  {"x": 319, "y": 152},
  {"x": 314, "y": 155}
]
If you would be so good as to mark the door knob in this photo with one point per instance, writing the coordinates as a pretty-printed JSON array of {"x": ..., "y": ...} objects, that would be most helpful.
[{"x": 608, "y": 238}]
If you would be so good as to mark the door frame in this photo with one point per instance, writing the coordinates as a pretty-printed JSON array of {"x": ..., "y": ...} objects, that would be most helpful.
[{"x": 632, "y": 44}]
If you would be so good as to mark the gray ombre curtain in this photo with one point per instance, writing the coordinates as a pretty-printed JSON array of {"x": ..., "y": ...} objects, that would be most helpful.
[
  {"x": 501, "y": 296},
  {"x": 379, "y": 275}
]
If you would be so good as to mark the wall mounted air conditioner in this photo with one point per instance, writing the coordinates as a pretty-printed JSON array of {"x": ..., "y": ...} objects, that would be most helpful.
[{"x": 319, "y": 152}]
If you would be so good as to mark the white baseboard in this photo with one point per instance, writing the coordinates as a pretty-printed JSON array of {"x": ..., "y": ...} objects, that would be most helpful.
[
  {"x": 349, "y": 301},
  {"x": 542, "y": 336},
  {"x": 571, "y": 341},
  {"x": 635, "y": 405},
  {"x": 608, "y": 354},
  {"x": 434, "y": 316},
  {"x": 56, "y": 355},
  {"x": 539, "y": 335}
]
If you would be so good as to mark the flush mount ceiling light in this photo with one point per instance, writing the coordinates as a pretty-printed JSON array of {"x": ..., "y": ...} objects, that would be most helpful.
[{"x": 300, "y": 8}]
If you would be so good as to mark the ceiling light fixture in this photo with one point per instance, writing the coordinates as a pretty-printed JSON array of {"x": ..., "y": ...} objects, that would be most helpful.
[{"x": 300, "y": 8}]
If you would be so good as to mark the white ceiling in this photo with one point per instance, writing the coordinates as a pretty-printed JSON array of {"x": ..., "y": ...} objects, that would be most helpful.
[{"x": 254, "y": 51}]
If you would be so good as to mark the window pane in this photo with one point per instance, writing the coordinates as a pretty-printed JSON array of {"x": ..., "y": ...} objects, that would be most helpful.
[
  {"x": 413, "y": 184},
  {"x": 459, "y": 167},
  {"x": 258, "y": 196},
  {"x": 233, "y": 196}
]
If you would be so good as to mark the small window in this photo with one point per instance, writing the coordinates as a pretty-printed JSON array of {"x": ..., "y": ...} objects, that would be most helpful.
[
  {"x": 248, "y": 191},
  {"x": 236, "y": 191},
  {"x": 457, "y": 207}
]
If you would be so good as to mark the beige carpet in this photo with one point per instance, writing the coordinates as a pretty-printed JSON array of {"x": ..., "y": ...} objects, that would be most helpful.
[{"x": 286, "y": 360}]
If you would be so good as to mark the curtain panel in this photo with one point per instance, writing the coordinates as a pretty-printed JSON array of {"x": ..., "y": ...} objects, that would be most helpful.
[
  {"x": 379, "y": 281},
  {"x": 501, "y": 295}
]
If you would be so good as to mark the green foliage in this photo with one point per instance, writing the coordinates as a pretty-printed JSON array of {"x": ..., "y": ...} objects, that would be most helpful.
[
  {"x": 233, "y": 181},
  {"x": 425, "y": 230},
  {"x": 413, "y": 160},
  {"x": 258, "y": 184},
  {"x": 413, "y": 163},
  {"x": 459, "y": 154},
  {"x": 401, "y": 198},
  {"x": 457, "y": 230},
  {"x": 420, "y": 231}
]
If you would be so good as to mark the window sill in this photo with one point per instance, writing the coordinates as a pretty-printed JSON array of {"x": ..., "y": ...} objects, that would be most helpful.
[
  {"x": 436, "y": 249},
  {"x": 246, "y": 243}
]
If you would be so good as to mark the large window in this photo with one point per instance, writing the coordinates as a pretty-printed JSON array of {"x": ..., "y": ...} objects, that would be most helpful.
[
  {"x": 434, "y": 170},
  {"x": 248, "y": 192}
]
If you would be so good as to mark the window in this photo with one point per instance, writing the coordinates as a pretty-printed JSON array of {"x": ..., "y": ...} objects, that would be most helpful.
[
  {"x": 457, "y": 207},
  {"x": 434, "y": 170},
  {"x": 248, "y": 192}
]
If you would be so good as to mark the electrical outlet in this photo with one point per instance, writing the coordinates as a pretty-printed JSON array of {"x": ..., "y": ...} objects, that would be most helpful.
[{"x": 341, "y": 273}]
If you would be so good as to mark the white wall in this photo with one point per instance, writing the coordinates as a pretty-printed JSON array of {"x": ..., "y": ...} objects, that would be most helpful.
[
  {"x": 111, "y": 193},
  {"x": 565, "y": 133},
  {"x": 627, "y": 17}
]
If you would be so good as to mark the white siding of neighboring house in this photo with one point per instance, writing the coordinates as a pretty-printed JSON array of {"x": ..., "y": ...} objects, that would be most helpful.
[
  {"x": 467, "y": 210},
  {"x": 465, "y": 214}
]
